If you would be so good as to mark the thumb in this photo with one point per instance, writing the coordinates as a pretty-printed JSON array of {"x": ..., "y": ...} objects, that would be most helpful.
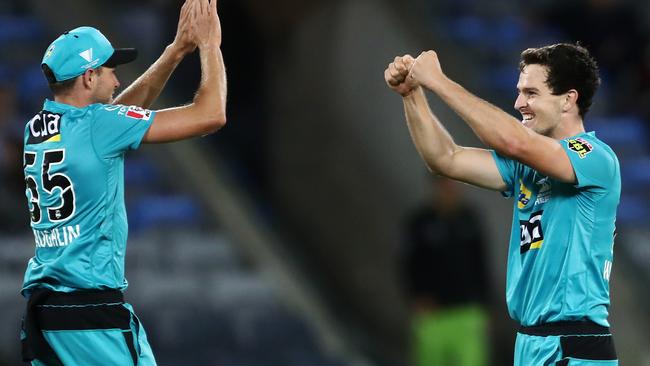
[{"x": 408, "y": 60}]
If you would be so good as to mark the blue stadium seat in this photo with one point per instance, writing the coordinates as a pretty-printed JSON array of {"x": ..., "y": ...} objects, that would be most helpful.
[
  {"x": 19, "y": 29},
  {"x": 635, "y": 173},
  {"x": 633, "y": 210},
  {"x": 155, "y": 210},
  {"x": 140, "y": 170},
  {"x": 627, "y": 132}
]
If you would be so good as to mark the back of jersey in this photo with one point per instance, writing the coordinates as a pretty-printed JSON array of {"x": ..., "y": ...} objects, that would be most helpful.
[{"x": 73, "y": 164}]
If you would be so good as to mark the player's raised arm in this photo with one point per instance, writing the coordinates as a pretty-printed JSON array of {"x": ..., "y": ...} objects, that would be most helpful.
[
  {"x": 144, "y": 91},
  {"x": 435, "y": 145},
  {"x": 493, "y": 126},
  {"x": 207, "y": 113}
]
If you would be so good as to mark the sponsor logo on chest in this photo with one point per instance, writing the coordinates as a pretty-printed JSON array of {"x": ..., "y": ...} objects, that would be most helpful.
[
  {"x": 542, "y": 190},
  {"x": 531, "y": 234}
]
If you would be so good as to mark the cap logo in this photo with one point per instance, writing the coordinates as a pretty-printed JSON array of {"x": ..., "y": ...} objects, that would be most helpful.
[
  {"x": 49, "y": 51},
  {"x": 87, "y": 54}
]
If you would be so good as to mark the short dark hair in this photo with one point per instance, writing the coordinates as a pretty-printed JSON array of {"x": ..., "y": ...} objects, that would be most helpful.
[
  {"x": 570, "y": 66},
  {"x": 60, "y": 87}
]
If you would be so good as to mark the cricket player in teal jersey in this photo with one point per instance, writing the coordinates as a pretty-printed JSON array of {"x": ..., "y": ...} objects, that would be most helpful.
[
  {"x": 74, "y": 173},
  {"x": 566, "y": 186}
]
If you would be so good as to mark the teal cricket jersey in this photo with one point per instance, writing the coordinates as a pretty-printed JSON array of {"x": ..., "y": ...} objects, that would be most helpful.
[
  {"x": 561, "y": 245},
  {"x": 74, "y": 175}
]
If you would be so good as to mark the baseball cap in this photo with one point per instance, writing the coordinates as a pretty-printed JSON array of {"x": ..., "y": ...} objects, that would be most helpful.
[{"x": 81, "y": 49}]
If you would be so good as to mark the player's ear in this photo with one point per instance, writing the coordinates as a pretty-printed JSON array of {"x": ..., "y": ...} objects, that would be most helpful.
[
  {"x": 88, "y": 78},
  {"x": 570, "y": 100}
]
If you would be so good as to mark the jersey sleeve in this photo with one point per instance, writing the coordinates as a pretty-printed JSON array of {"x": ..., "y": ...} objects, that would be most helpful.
[
  {"x": 594, "y": 164},
  {"x": 118, "y": 128},
  {"x": 507, "y": 169}
]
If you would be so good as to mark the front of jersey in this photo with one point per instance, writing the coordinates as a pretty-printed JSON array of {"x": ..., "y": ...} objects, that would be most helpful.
[
  {"x": 74, "y": 175},
  {"x": 561, "y": 245}
]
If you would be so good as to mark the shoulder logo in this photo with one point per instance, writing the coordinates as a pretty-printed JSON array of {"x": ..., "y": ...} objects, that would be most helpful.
[
  {"x": 580, "y": 146},
  {"x": 87, "y": 55},
  {"x": 136, "y": 112}
]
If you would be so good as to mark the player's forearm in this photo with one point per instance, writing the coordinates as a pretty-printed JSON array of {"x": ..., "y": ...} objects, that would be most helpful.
[
  {"x": 207, "y": 112},
  {"x": 210, "y": 98},
  {"x": 493, "y": 126},
  {"x": 432, "y": 140},
  {"x": 144, "y": 91}
]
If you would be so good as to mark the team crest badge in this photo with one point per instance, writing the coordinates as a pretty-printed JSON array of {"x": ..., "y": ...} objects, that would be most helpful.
[{"x": 580, "y": 146}]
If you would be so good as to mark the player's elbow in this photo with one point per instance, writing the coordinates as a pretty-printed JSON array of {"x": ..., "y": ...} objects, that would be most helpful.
[
  {"x": 433, "y": 165},
  {"x": 215, "y": 123},
  {"x": 441, "y": 163},
  {"x": 218, "y": 119},
  {"x": 221, "y": 121}
]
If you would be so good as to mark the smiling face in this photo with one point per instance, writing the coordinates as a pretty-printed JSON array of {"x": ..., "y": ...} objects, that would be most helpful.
[{"x": 540, "y": 109}]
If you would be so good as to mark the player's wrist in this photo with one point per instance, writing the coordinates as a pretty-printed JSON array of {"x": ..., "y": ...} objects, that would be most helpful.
[
  {"x": 179, "y": 51},
  {"x": 409, "y": 93},
  {"x": 439, "y": 84},
  {"x": 210, "y": 45}
]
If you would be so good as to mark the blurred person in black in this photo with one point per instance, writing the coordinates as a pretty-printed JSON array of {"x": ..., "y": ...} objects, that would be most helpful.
[{"x": 446, "y": 276}]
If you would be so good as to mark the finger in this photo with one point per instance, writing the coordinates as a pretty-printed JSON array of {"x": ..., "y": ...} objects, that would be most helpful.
[
  {"x": 389, "y": 79},
  {"x": 396, "y": 80},
  {"x": 387, "y": 76},
  {"x": 400, "y": 71},
  {"x": 411, "y": 73},
  {"x": 196, "y": 8},
  {"x": 408, "y": 61},
  {"x": 186, "y": 9},
  {"x": 205, "y": 6},
  {"x": 214, "y": 5},
  {"x": 401, "y": 67},
  {"x": 393, "y": 71}
]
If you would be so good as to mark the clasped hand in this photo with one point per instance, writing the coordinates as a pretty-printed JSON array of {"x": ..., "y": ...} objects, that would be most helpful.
[
  {"x": 405, "y": 74},
  {"x": 198, "y": 25}
]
